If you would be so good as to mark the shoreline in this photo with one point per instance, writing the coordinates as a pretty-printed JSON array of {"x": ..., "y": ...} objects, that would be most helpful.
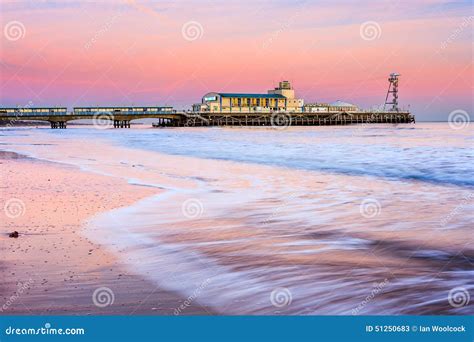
[
  {"x": 52, "y": 268},
  {"x": 245, "y": 233}
]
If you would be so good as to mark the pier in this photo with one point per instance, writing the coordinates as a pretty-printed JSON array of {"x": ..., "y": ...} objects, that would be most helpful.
[
  {"x": 283, "y": 119},
  {"x": 277, "y": 108},
  {"x": 116, "y": 117},
  {"x": 206, "y": 119}
]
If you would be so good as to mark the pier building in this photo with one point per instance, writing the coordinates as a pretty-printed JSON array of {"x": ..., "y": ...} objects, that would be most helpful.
[
  {"x": 123, "y": 110},
  {"x": 336, "y": 106},
  {"x": 282, "y": 98},
  {"x": 29, "y": 111}
]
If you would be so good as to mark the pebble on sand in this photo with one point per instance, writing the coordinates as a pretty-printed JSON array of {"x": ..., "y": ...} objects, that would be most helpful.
[{"x": 14, "y": 234}]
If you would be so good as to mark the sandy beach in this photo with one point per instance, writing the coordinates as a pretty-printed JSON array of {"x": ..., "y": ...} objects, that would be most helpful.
[
  {"x": 51, "y": 268},
  {"x": 227, "y": 229}
]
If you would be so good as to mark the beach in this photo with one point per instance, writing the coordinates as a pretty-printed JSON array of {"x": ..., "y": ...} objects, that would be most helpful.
[
  {"x": 52, "y": 268},
  {"x": 369, "y": 220}
]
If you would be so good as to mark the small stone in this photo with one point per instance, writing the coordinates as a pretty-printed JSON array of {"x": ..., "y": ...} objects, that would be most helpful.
[{"x": 14, "y": 234}]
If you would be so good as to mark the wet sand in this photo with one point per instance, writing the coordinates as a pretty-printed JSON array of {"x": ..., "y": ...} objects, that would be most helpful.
[
  {"x": 52, "y": 268},
  {"x": 245, "y": 238}
]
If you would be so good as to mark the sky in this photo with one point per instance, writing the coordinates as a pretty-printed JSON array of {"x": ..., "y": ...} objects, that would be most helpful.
[{"x": 87, "y": 53}]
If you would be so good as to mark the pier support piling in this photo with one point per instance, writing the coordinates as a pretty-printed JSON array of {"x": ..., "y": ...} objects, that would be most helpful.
[{"x": 58, "y": 124}]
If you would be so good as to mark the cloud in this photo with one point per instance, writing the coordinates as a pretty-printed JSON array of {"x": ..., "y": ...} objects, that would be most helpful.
[{"x": 31, "y": 5}]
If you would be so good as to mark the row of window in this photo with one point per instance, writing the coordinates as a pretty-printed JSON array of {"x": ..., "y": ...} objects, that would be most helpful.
[
  {"x": 255, "y": 102},
  {"x": 130, "y": 109},
  {"x": 82, "y": 110},
  {"x": 33, "y": 110}
]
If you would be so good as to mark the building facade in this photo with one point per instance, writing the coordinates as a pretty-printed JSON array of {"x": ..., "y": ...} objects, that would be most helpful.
[
  {"x": 337, "y": 106},
  {"x": 27, "y": 111},
  {"x": 282, "y": 98},
  {"x": 123, "y": 110}
]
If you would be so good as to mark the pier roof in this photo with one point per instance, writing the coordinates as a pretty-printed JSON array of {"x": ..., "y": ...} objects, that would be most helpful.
[
  {"x": 340, "y": 103},
  {"x": 260, "y": 96}
]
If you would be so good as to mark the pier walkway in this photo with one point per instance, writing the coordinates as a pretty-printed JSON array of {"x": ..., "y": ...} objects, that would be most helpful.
[{"x": 168, "y": 118}]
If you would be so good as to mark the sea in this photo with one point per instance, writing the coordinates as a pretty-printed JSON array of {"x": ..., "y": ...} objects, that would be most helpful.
[{"x": 368, "y": 219}]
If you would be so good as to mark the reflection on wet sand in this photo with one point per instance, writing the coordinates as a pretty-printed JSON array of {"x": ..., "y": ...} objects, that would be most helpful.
[
  {"x": 263, "y": 228},
  {"x": 263, "y": 239}
]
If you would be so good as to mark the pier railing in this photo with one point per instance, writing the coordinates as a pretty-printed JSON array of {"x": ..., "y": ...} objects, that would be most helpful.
[{"x": 203, "y": 119}]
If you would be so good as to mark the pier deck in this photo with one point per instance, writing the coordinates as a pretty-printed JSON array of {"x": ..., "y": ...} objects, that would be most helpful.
[
  {"x": 287, "y": 119},
  {"x": 203, "y": 119}
]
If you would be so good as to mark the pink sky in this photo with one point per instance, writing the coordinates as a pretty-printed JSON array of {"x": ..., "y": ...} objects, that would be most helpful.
[{"x": 72, "y": 53}]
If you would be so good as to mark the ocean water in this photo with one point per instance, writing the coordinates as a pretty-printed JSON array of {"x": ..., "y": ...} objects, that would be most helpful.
[
  {"x": 428, "y": 152},
  {"x": 368, "y": 219}
]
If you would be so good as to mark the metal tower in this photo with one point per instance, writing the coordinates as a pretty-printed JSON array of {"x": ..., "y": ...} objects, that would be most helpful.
[{"x": 392, "y": 89}]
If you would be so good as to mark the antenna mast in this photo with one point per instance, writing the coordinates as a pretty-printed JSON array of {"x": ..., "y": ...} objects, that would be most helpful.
[{"x": 392, "y": 89}]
